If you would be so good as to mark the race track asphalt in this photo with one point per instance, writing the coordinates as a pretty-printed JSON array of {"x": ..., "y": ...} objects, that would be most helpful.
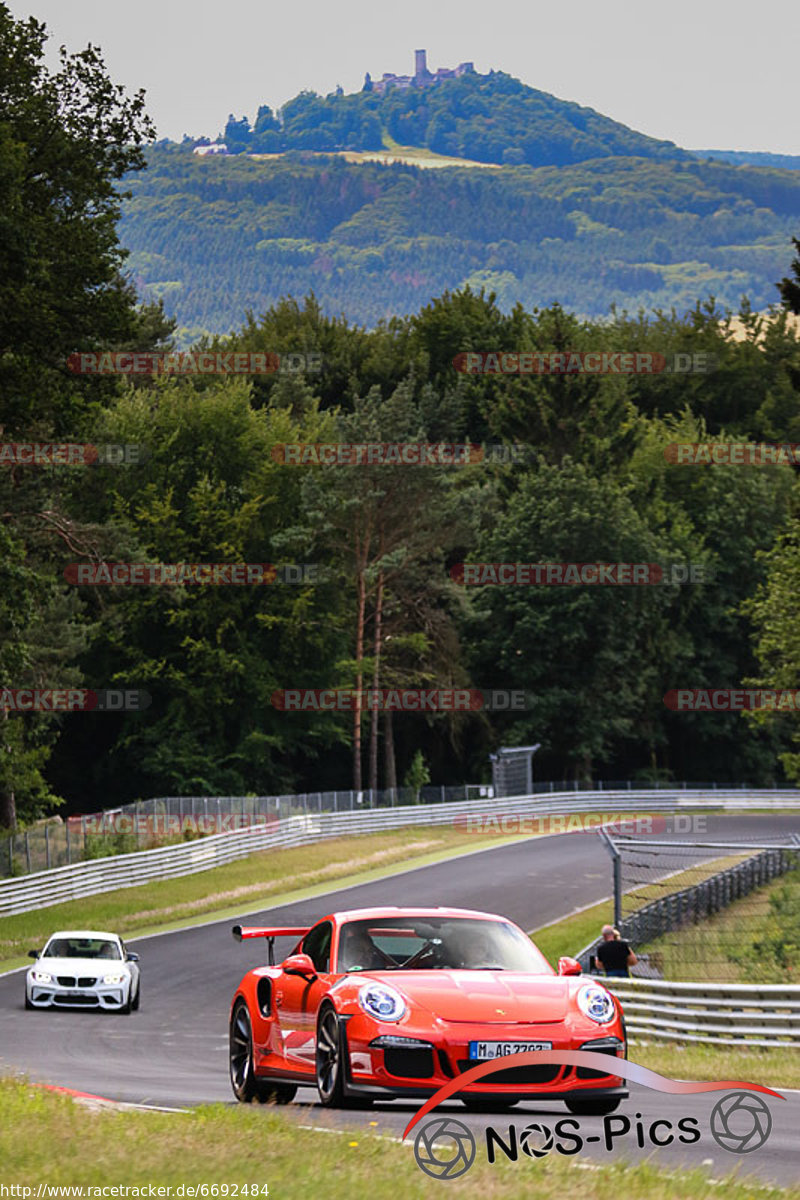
[{"x": 173, "y": 1052}]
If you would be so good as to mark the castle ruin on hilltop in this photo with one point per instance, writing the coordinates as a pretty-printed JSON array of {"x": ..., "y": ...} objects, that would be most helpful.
[{"x": 422, "y": 77}]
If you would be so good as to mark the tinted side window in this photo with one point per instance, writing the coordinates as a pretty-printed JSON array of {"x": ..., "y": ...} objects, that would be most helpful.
[{"x": 317, "y": 945}]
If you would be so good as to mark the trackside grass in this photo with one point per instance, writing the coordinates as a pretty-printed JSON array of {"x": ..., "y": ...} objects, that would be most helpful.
[
  {"x": 49, "y": 1139},
  {"x": 268, "y": 878},
  {"x": 774, "y": 1067}
]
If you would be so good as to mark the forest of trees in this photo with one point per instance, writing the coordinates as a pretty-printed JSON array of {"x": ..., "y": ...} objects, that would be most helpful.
[
  {"x": 214, "y": 237},
  {"x": 387, "y": 609}
]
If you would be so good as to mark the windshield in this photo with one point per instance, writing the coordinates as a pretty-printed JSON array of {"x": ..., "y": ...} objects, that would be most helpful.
[
  {"x": 75, "y": 947},
  {"x": 420, "y": 943}
]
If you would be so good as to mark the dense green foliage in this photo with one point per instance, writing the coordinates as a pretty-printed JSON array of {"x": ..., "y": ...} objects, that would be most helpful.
[
  {"x": 387, "y": 608},
  {"x": 214, "y": 237},
  {"x": 490, "y": 118},
  {"x": 597, "y": 661}
]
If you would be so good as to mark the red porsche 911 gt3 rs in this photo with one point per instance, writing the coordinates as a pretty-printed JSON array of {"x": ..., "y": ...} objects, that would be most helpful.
[{"x": 396, "y": 1002}]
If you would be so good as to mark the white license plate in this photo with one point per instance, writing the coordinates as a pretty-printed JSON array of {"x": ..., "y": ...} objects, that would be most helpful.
[{"x": 478, "y": 1050}]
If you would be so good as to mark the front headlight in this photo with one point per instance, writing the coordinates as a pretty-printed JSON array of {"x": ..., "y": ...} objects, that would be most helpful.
[
  {"x": 382, "y": 1002},
  {"x": 40, "y": 977},
  {"x": 596, "y": 1004},
  {"x": 119, "y": 978}
]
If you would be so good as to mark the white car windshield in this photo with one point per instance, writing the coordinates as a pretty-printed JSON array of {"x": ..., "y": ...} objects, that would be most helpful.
[
  {"x": 420, "y": 943},
  {"x": 77, "y": 947}
]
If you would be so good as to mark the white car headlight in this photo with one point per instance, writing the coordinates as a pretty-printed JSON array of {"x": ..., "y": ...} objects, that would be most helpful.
[
  {"x": 118, "y": 978},
  {"x": 40, "y": 977},
  {"x": 596, "y": 1004},
  {"x": 382, "y": 1002}
]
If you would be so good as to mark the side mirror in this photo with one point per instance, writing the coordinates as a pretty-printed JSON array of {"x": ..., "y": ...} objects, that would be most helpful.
[
  {"x": 300, "y": 964},
  {"x": 569, "y": 966},
  {"x": 131, "y": 957},
  {"x": 34, "y": 953}
]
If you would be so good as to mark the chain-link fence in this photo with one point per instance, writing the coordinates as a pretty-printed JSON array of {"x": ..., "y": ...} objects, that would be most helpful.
[
  {"x": 163, "y": 821},
  {"x": 719, "y": 911}
]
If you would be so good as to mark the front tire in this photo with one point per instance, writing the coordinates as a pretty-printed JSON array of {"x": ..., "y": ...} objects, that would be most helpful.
[
  {"x": 28, "y": 1004},
  {"x": 240, "y": 1056},
  {"x": 135, "y": 1002},
  {"x": 594, "y": 1108},
  {"x": 330, "y": 1059}
]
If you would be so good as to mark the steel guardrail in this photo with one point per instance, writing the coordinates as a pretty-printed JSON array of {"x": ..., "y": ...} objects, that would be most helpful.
[
  {"x": 43, "y": 889},
  {"x": 721, "y": 1014}
]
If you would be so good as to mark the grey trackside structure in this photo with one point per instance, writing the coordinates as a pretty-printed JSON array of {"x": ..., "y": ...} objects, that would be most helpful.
[
  {"x": 722, "y": 1014},
  {"x": 512, "y": 770},
  {"x": 500, "y": 815}
]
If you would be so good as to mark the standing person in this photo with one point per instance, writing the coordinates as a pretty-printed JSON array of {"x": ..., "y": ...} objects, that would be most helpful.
[{"x": 613, "y": 954}]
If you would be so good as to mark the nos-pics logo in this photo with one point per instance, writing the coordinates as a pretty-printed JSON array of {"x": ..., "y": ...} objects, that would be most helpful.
[{"x": 740, "y": 1123}]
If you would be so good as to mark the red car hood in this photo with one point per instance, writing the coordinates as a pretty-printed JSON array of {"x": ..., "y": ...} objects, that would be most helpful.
[{"x": 484, "y": 996}]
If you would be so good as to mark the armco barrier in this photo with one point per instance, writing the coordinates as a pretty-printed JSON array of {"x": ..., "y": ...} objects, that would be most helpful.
[
  {"x": 722, "y": 1014},
  {"x": 46, "y": 888}
]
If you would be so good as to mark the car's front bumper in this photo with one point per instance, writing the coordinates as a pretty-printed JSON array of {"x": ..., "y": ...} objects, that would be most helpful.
[
  {"x": 53, "y": 995},
  {"x": 373, "y": 1071}
]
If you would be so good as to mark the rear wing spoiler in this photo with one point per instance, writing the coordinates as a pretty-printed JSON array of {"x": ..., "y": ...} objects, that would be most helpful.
[{"x": 270, "y": 932}]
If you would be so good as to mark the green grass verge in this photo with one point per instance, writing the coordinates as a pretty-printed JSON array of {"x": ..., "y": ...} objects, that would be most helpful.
[
  {"x": 753, "y": 940},
  {"x": 260, "y": 881},
  {"x": 47, "y": 1138},
  {"x": 778, "y": 1067}
]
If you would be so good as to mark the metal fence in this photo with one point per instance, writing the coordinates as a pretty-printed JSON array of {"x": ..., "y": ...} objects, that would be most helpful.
[
  {"x": 165, "y": 819},
  {"x": 149, "y": 823},
  {"x": 44, "y": 888},
  {"x": 734, "y": 1014},
  {"x": 702, "y": 900}
]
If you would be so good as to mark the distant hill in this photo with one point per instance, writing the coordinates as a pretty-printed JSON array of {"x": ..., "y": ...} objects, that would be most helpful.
[
  {"x": 491, "y": 118},
  {"x": 753, "y": 158},
  {"x": 215, "y": 236}
]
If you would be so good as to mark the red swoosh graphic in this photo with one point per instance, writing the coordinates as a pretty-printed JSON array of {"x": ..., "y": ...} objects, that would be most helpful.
[{"x": 583, "y": 1058}]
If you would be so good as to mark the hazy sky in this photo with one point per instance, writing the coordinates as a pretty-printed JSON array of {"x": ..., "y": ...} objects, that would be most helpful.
[{"x": 707, "y": 74}]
